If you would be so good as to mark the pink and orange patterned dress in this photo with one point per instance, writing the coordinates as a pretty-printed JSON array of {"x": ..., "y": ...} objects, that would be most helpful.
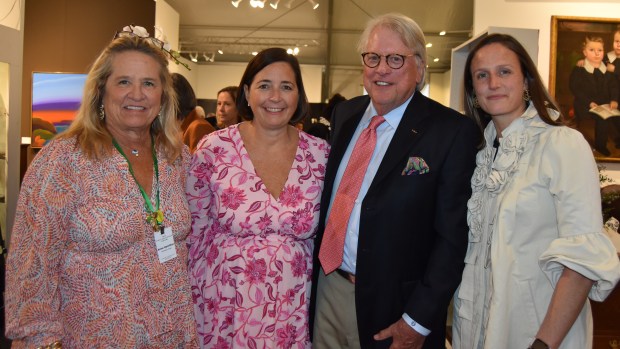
[
  {"x": 250, "y": 253},
  {"x": 82, "y": 265}
]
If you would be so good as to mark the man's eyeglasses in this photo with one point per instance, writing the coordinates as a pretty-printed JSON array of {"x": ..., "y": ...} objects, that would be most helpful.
[
  {"x": 393, "y": 60},
  {"x": 154, "y": 41}
]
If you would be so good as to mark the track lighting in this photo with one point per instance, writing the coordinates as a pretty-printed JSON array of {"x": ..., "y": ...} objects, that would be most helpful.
[
  {"x": 193, "y": 56},
  {"x": 236, "y": 3},
  {"x": 274, "y": 5},
  {"x": 314, "y": 4},
  {"x": 220, "y": 52},
  {"x": 293, "y": 51},
  {"x": 257, "y": 3}
]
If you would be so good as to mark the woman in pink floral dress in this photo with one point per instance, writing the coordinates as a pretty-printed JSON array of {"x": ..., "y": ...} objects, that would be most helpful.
[{"x": 254, "y": 190}]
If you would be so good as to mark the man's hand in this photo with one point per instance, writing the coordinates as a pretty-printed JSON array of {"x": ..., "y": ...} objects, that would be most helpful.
[{"x": 403, "y": 336}]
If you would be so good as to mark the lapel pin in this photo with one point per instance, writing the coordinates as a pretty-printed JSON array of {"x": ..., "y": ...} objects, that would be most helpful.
[{"x": 414, "y": 131}]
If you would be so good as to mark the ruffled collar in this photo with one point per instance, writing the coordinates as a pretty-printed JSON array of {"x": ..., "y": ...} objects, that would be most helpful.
[
  {"x": 492, "y": 175},
  {"x": 590, "y": 68}
]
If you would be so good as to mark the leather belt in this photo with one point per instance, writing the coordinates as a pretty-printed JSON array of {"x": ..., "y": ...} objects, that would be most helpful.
[{"x": 348, "y": 276}]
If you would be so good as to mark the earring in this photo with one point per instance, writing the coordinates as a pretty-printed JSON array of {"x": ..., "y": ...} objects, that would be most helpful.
[
  {"x": 526, "y": 95},
  {"x": 159, "y": 114},
  {"x": 101, "y": 112},
  {"x": 476, "y": 104}
]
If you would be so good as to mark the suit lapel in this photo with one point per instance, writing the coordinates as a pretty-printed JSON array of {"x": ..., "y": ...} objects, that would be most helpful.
[
  {"x": 346, "y": 121},
  {"x": 410, "y": 129},
  {"x": 345, "y": 127}
]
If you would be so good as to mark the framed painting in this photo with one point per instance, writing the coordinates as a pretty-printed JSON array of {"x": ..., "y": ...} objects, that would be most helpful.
[
  {"x": 56, "y": 98},
  {"x": 573, "y": 80}
]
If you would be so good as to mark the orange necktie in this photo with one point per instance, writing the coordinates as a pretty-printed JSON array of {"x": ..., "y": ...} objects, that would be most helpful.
[{"x": 332, "y": 246}]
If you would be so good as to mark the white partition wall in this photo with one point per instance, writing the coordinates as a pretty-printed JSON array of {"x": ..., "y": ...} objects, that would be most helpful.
[{"x": 11, "y": 56}]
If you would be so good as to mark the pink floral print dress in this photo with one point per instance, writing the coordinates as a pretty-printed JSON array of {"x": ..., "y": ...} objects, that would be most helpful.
[{"x": 250, "y": 254}]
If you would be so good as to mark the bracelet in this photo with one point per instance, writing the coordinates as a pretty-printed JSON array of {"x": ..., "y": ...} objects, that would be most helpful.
[{"x": 54, "y": 345}]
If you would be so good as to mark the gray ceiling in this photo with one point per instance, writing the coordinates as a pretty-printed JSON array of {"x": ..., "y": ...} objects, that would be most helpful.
[{"x": 327, "y": 35}]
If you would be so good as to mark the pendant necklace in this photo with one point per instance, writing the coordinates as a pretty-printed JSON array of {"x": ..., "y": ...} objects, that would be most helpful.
[
  {"x": 154, "y": 215},
  {"x": 135, "y": 152}
]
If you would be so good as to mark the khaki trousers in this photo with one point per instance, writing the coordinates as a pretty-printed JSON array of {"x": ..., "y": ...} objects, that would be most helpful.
[{"x": 335, "y": 323}]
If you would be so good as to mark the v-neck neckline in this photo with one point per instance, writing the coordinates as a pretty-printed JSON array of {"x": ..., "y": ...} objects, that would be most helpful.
[{"x": 290, "y": 168}]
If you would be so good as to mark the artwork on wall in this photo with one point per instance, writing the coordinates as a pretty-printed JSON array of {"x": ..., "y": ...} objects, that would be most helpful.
[
  {"x": 572, "y": 81},
  {"x": 56, "y": 98}
]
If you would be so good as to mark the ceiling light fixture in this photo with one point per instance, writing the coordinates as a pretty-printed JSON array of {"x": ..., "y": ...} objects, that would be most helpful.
[
  {"x": 220, "y": 52},
  {"x": 193, "y": 56},
  {"x": 436, "y": 60},
  {"x": 315, "y": 4},
  {"x": 235, "y": 3},
  {"x": 442, "y": 33},
  {"x": 429, "y": 44},
  {"x": 257, "y": 3},
  {"x": 274, "y": 5},
  {"x": 293, "y": 51},
  {"x": 209, "y": 58}
]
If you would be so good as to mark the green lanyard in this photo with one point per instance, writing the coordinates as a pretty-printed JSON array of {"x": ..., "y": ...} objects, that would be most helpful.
[{"x": 154, "y": 216}]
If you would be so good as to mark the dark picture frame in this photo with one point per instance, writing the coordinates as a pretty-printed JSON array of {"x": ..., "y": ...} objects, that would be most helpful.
[{"x": 567, "y": 36}]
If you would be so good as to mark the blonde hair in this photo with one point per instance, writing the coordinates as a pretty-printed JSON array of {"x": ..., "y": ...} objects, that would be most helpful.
[{"x": 92, "y": 136}]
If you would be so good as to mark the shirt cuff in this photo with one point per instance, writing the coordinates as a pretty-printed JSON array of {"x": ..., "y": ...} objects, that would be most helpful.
[{"x": 416, "y": 326}]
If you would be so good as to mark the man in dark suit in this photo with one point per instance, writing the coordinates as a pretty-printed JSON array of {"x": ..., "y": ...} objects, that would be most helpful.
[{"x": 406, "y": 235}]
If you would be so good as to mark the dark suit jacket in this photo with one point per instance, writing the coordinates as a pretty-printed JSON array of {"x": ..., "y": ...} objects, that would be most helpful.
[
  {"x": 413, "y": 229},
  {"x": 587, "y": 88}
]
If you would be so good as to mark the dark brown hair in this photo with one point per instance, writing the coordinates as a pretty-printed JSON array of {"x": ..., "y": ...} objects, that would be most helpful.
[
  {"x": 186, "y": 97},
  {"x": 538, "y": 93}
]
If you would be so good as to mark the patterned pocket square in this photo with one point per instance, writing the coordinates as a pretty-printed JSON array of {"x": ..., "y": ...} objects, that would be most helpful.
[{"x": 415, "y": 165}]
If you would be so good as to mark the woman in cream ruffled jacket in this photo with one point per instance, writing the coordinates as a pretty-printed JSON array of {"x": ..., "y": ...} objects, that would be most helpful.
[{"x": 537, "y": 249}]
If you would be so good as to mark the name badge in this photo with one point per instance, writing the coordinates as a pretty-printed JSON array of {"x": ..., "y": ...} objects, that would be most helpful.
[{"x": 164, "y": 242}]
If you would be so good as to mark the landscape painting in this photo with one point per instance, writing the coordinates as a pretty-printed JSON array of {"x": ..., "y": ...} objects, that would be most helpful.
[{"x": 56, "y": 97}]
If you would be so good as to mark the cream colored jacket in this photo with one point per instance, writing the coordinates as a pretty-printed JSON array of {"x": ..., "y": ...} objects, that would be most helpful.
[{"x": 535, "y": 209}]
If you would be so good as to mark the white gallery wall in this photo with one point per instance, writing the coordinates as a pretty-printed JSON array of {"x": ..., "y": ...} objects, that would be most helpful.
[
  {"x": 536, "y": 14},
  {"x": 212, "y": 77}
]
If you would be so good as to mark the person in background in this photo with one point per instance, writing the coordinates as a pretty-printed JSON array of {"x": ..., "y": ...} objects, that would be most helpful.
[
  {"x": 254, "y": 190},
  {"x": 201, "y": 113},
  {"x": 212, "y": 119},
  {"x": 98, "y": 256},
  {"x": 321, "y": 127},
  {"x": 227, "y": 112},
  {"x": 193, "y": 123},
  {"x": 592, "y": 85},
  {"x": 612, "y": 58},
  {"x": 393, "y": 230},
  {"x": 537, "y": 249}
]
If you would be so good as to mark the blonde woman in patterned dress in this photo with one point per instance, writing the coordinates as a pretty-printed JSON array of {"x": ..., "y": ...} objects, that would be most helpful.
[
  {"x": 98, "y": 256},
  {"x": 254, "y": 190}
]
